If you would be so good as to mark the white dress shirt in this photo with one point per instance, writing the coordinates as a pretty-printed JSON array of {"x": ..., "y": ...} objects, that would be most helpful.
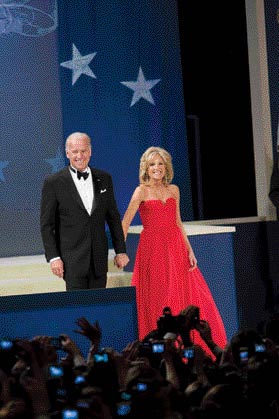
[{"x": 85, "y": 188}]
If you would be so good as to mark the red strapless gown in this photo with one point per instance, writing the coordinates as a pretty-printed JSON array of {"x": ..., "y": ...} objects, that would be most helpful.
[{"x": 162, "y": 277}]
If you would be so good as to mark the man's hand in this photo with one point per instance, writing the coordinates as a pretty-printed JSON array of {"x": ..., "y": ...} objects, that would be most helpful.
[
  {"x": 121, "y": 260},
  {"x": 57, "y": 267}
]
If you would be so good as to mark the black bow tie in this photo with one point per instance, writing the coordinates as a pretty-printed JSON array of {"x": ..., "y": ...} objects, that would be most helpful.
[{"x": 82, "y": 174}]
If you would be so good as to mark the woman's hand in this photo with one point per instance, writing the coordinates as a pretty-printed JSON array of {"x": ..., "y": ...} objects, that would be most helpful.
[{"x": 192, "y": 259}]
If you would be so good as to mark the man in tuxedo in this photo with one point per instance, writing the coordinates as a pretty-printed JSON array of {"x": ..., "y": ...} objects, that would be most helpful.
[{"x": 76, "y": 204}]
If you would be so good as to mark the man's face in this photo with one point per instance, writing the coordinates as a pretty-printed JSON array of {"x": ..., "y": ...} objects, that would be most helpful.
[{"x": 79, "y": 153}]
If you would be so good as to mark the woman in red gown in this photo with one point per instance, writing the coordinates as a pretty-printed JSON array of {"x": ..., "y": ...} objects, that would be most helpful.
[{"x": 165, "y": 271}]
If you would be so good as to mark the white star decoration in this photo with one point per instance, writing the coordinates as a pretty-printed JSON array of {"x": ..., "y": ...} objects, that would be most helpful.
[
  {"x": 80, "y": 65},
  {"x": 141, "y": 88}
]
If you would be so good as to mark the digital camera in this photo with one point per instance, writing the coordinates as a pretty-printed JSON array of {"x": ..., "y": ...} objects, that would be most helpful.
[
  {"x": 123, "y": 408},
  {"x": 176, "y": 324},
  {"x": 158, "y": 347},
  {"x": 243, "y": 354},
  {"x": 70, "y": 414},
  {"x": 260, "y": 347},
  {"x": 141, "y": 386},
  {"x": 101, "y": 357},
  {"x": 6, "y": 344},
  {"x": 55, "y": 371},
  {"x": 188, "y": 353},
  {"x": 80, "y": 380}
]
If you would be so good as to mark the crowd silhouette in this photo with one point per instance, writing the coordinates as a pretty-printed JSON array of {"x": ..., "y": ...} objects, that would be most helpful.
[{"x": 165, "y": 375}]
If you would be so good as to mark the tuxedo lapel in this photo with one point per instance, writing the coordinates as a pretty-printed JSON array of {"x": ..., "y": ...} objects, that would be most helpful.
[
  {"x": 97, "y": 185},
  {"x": 70, "y": 186}
]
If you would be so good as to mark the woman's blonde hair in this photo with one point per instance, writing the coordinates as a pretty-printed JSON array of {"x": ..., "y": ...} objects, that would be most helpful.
[{"x": 144, "y": 164}]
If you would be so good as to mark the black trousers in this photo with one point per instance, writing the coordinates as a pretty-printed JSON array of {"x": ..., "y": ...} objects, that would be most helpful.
[{"x": 90, "y": 281}]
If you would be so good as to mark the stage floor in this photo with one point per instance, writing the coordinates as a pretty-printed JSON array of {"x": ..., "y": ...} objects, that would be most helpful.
[{"x": 32, "y": 275}]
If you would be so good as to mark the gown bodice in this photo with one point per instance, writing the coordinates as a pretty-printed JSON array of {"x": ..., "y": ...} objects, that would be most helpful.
[{"x": 157, "y": 214}]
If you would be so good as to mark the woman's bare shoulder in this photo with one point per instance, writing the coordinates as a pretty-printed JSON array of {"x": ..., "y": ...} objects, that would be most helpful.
[
  {"x": 139, "y": 193},
  {"x": 174, "y": 189}
]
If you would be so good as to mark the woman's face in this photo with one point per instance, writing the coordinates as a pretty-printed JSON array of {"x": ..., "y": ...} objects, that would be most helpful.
[{"x": 156, "y": 168}]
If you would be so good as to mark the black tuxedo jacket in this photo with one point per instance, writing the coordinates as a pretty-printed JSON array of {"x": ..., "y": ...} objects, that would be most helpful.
[{"x": 70, "y": 232}]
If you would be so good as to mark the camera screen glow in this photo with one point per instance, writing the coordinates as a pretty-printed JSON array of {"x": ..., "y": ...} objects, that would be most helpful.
[
  {"x": 79, "y": 379},
  {"x": 158, "y": 347},
  {"x": 189, "y": 353},
  {"x": 101, "y": 357},
  {"x": 123, "y": 409},
  {"x": 70, "y": 414},
  {"x": 141, "y": 386},
  {"x": 6, "y": 344},
  {"x": 56, "y": 371},
  {"x": 260, "y": 347}
]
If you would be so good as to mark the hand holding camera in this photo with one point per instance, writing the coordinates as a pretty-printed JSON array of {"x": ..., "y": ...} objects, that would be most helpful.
[
  {"x": 204, "y": 330},
  {"x": 191, "y": 317},
  {"x": 68, "y": 345}
]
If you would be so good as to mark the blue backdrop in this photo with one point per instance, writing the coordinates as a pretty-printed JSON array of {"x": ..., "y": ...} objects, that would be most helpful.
[
  {"x": 54, "y": 313},
  {"x": 108, "y": 68}
]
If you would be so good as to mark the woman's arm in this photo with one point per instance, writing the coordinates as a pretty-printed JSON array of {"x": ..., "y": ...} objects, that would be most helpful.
[
  {"x": 192, "y": 257},
  {"x": 137, "y": 198}
]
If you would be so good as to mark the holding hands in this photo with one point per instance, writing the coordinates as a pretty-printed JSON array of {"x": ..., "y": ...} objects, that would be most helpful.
[{"x": 121, "y": 260}]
